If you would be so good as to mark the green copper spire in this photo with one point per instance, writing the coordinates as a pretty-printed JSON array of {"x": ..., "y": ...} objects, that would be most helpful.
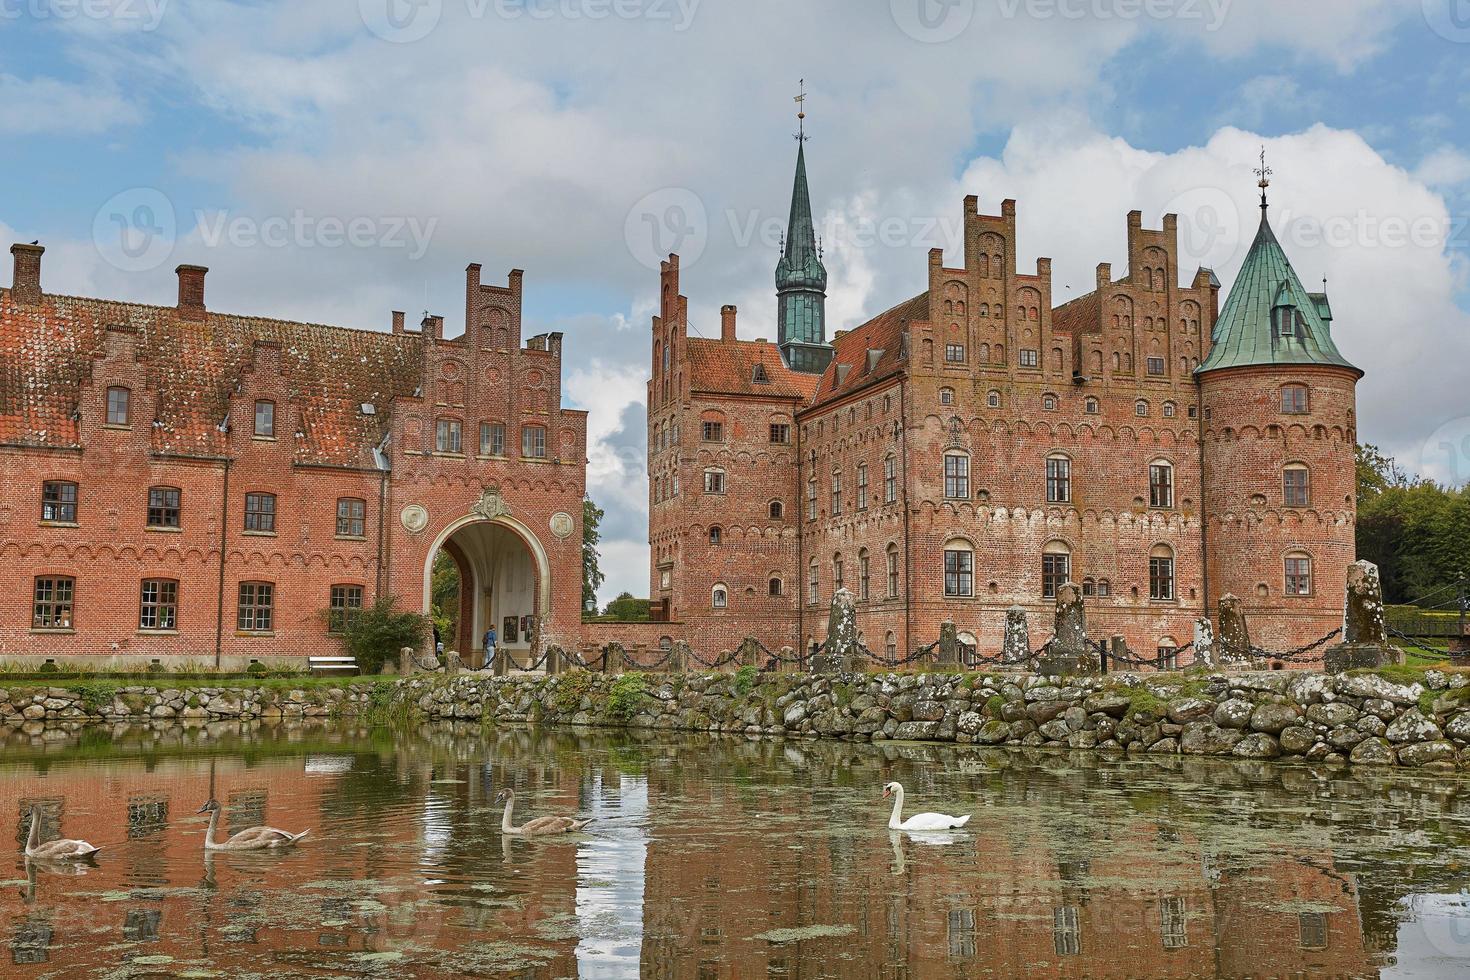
[
  {"x": 801, "y": 282},
  {"x": 1269, "y": 318}
]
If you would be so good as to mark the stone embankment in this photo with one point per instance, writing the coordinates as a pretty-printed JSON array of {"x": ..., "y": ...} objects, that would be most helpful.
[{"x": 1362, "y": 718}]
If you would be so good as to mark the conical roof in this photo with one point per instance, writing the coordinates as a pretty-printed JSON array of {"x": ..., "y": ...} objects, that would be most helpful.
[
  {"x": 800, "y": 266},
  {"x": 1247, "y": 332}
]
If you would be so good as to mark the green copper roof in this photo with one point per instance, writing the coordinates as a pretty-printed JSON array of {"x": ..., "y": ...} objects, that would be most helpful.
[
  {"x": 1246, "y": 332},
  {"x": 801, "y": 285},
  {"x": 800, "y": 266}
]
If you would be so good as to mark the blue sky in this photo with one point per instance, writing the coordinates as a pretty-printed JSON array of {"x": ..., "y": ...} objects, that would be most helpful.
[{"x": 578, "y": 139}]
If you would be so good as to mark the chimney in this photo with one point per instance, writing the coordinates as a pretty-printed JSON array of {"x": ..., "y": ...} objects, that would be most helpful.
[
  {"x": 727, "y": 322},
  {"x": 25, "y": 285},
  {"x": 191, "y": 291},
  {"x": 398, "y": 321}
]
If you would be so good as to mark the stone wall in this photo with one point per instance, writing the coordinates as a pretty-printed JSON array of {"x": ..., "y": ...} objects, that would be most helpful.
[{"x": 1362, "y": 718}]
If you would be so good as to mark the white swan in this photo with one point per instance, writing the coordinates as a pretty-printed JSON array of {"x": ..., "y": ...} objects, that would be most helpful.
[
  {"x": 252, "y": 839},
  {"x": 55, "y": 850},
  {"x": 919, "y": 821}
]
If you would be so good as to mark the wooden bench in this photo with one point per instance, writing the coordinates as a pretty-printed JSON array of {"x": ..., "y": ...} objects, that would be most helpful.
[{"x": 332, "y": 664}]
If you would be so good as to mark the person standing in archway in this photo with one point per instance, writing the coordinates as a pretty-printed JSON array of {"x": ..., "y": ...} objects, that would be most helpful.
[{"x": 490, "y": 648}]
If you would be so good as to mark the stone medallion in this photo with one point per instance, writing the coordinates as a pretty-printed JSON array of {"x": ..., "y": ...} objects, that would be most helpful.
[
  {"x": 490, "y": 505},
  {"x": 562, "y": 524},
  {"x": 414, "y": 517}
]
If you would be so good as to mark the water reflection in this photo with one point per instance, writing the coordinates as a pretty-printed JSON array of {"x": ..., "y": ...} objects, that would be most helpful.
[{"x": 726, "y": 859}]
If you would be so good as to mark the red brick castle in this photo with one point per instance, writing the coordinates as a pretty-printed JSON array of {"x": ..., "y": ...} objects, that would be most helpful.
[{"x": 975, "y": 447}]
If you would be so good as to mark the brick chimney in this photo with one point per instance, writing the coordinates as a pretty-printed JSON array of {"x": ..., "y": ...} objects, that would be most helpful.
[
  {"x": 25, "y": 285},
  {"x": 727, "y": 322},
  {"x": 191, "y": 291}
]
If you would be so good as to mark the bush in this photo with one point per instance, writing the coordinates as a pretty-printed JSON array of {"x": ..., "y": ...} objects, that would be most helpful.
[
  {"x": 256, "y": 668},
  {"x": 625, "y": 696},
  {"x": 49, "y": 667},
  {"x": 375, "y": 635},
  {"x": 745, "y": 680}
]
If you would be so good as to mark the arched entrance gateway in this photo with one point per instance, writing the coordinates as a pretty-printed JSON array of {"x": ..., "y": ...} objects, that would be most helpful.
[{"x": 504, "y": 580}]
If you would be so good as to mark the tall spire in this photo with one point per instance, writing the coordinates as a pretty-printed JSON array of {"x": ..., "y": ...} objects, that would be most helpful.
[
  {"x": 1263, "y": 172},
  {"x": 801, "y": 279}
]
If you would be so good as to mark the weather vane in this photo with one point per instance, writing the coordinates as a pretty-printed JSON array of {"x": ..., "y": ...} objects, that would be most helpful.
[
  {"x": 1264, "y": 173},
  {"x": 801, "y": 136}
]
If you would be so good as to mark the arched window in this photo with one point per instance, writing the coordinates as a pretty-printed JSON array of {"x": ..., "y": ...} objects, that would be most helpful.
[
  {"x": 448, "y": 436},
  {"x": 158, "y": 604},
  {"x": 164, "y": 506},
  {"x": 260, "y": 513},
  {"x": 890, "y": 478},
  {"x": 1161, "y": 572},
  {"x": 836, "y": 571},
  {"x": 774, "y": 586},
  {"x": 776, "y": 510},
  {"x": 1298, "y": 571},
  {"x": 1296, "y": 485},
  {"x": 1161, "y": 484},
  {"x": 714, "y": 480},
  {"x": 811, "y": 498},
  {"x": 811, "y": 583},
  {"x": 1170, "y": 410},
  {"x": 1091, "y": 406},
  {"x": 1056, "y": 568},
  {"x": 1295, "y": 400},
  {"x": 861, "y": 495},
  {"x": 959, "y": 569},
  {"x": 946, "y": 396},
  {"x": 1104, "y": 588},
  {"x": 893, "y": 571},
  {"x": 1049, "y": 403},
  {"x": 1167, "y": 651},
  {"x": 265, "y": 419},
  {"x": 863, "y": 575},
  {"x": 993, "y": 399},
  {"x": 719, "y": 597},
  {"x": 119, "y": 401},
  {"x": 1284, "y": 321},
  {"x": 957, "y": 475},
  {"x": 53, "y": 599},
  {"x": 1089, "y": 587},
  {"x": 890, "y": 644},
  {"x": 715, "y": 535},
  {"x": 1058, "y": 479},
  {"x": 836, "y": 492}
]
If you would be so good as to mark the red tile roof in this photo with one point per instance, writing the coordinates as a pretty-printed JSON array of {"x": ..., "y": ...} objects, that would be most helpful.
[
  {"x": 728, "y": 367},
  {"x": 47, "y": 354},
  {"x": 885, "y": 332}
]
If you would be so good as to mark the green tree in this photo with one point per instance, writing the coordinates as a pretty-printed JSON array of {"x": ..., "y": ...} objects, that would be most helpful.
[
  {"x": 1416, "y": 531},
  {"x": 444, "y": 597},
  {"x": 628, "y": 609},
  {"x": 592, "y": 577},
  {"x": 376, "y": 634}
]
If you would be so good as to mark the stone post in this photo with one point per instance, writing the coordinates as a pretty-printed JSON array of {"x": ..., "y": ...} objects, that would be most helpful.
[
  {"x": 1235, "y": 636},
  {"x": 555, "y": 662},
  {"x": 405, "y": 662},
  {"x": 749, "y": 653},
  {"x": 1069, "y": 652},
  {"x": 1119, "y": 653},
  {"x": 1204, "y": 643},
  {"x": 451, "y": 661},
  {"x": 949, "y": 643},
  {"x": 616, "y": 657},
  {"x": 679, "y": 660},
  {"x": 1364, "y": 629},
  {"x": 788, "y": 660},
  {"x": 1016, "y": 647},
  {"x": 841, "y": 653}
]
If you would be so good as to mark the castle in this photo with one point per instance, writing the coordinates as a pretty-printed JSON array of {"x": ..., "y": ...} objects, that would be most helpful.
[{"x": 975, "y": 447}]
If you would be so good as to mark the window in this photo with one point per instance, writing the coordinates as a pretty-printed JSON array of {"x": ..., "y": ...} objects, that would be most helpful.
[
  {"x": 890, "y": 644},
  {"x": 1049, "y": 403},
  {"x": 890, "y": 480},
  {"x": 959, "y": 572},
  {"x": 448, "y": 436},
  {"x": 265, "y": 419},
  {"x": 893, "y": 571},
  {"x": 163, "y": 506},
  {"x": 1140, "y": 408},
  {"x": 1161, "y": 573},
  {"x": 1154, "y": 365},
  {"x": 351, "y": 518},
  {"x": 1058, "y": 479},
  {"x": 811, "y": 583},
  {"x": 993, "y": 399},
  {"x": 1294, "y": 399},
  {"x": 117, "y": 406},
  {"x": 1194, "y": 411},
  {"x": 954, "y": 353},
  {"x": 1029, "y": 358},
  {"x": 811, "y": 498},
  {"x": 780, "y": 432},
  {"x": 1283, "y": 321},
  {"x": 961, "y": 934},
  {"x": 1066, "y": 935},
  {"x": 714, "y": 431},
  {"x": 946, "y": 396},
  {"x": 344, "y": 602},
  {"x": 957, "y": 476},
  {"x": 1089, "y": 588},
  {"x": 836, "y": 492},
  {"x": 1104, "y": 588},
  {"x": 863, "y": 575},
  {"x": 714, "y": 481},
  {"x": 862, "y": 486},
  {"x": 1056, "y": 568},
  {"x": 1296, "y": 489},
  {"x": 260, "y": 512},
  {"x": 776, "y": 510},
  {"x": 257, "y": 601},
  {"x": 158, "y": 608},
  {"x": 59, "y": 502},
  {"x": 52, "y": 610},
  {"x": 719, "y": 597},
  {"x": 1312, "y": 927},
  {"x": 715, "y": 535},
  {"x": 1160, "y": 485},
  {"x": 533, "y": 441},
  {"x": 1170, "y": 410},
  {"x": 1298, "y": 573},
  {"x": 836, "y": 572},
  {"x": 1091, "y": 406},
  {"x": 1166, "y": 654},
  {"x": 492, "y": 439},
  {"x": 774, "y": 586},
  {"x": 1173, "y": 927}
]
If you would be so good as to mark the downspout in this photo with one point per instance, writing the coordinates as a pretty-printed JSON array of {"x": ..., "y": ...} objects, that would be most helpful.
[
  {"x": 219, "y": 599},
  {"x": 800, "y": 575},
  {"x": 380, "y": 459},
  {"x": 903, "y": 454},
  {"x": 1204, "y": 518}
]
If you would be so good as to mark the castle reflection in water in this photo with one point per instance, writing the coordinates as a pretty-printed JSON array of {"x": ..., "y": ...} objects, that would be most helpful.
[{"x": 722, "y": 859}]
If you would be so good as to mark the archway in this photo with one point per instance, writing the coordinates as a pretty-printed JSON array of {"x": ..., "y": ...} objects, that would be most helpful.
[{"x": 504, "y": 581}]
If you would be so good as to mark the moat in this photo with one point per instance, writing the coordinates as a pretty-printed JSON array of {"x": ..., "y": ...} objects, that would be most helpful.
[{"x": 722, "y": 858}]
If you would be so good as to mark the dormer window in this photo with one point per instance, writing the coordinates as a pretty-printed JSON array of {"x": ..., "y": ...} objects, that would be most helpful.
[
  {"x": 1284, "y": 321},
  {"x": 118, "y": 407},
  {"x": 758, "y": 375}
]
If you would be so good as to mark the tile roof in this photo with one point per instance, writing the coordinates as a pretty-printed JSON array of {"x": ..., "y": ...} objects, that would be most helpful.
[
  {"x": 850, "y": 368},
  {"x": 1243, "y": 334},
  {"x": 194, "y": 367},
  {"x": 727, "y": 367}
]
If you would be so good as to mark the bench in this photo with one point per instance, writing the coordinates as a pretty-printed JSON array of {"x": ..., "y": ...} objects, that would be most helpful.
[{"x": 332, "y": 664}]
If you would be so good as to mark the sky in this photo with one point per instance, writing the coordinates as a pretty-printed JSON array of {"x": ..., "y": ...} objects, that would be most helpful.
[{"x": 336, "y": 160}]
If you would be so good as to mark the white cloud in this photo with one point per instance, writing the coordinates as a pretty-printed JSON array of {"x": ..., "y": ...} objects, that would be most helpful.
[
  {"x": 1445, "y": 167},
  {"x": 30, "y": 106}
]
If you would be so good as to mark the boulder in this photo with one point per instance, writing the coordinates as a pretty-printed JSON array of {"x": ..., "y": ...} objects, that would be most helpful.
[
  {"x": 1332, "y": 715},
  {"x": 928, "y": 711},
  {"x": 916, "y": 730},
  {"x": 1459, "y": 727},
  {"x": 1272, "y": 718},
  {"x": 994, "y": 732},
  {"x": 1056, "y": 729},
  {"x": 1412, "y": 726},
  {"x": 1423, "y": 753},
  {"x": 970, "y": 722},
  {"x": 1257, "y": 745},
  {"x": 1373, "y": 686},
  {"x": 1234, "y": 713},
  {"x": 1075, "y": 717},
  {"x": 1207, "y": 738},
  {"x": 1372, "y": 752},
  {"x": 1113, "y": 703},
  {"x": 1295, "y": 740},
  {"x": 1183, "y": 710}
]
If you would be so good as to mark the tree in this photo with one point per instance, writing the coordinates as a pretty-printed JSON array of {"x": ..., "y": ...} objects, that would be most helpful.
[
  {"x": 627, "y": 609},
  {"x": 444, "y": 598},
  {"x": 1416, "y": 531},
  {"x": 375, "y": 635},
  {"x": 592, "y": 577}
]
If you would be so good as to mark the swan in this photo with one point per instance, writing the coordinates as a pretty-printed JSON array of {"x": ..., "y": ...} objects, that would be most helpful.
[
  {"x": 55, "y": 850},
  {"x": 541, "y": 825},
  {"x": 250, "y": 839},
  {"x": 919, "y": 821}
]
